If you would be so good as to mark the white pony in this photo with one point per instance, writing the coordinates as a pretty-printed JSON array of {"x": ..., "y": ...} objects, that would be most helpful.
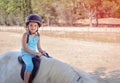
[{"x": 50, "y": 71}]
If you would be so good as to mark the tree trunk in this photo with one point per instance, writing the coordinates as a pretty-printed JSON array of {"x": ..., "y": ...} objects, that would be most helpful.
[
  {"x": 96, "y": 21},
  {"x": 90, "y": 19},
  {"x": 96, "y": 16}
]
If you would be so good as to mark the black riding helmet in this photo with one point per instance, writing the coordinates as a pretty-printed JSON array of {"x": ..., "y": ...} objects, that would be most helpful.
[{"x": 33, "y": 18}]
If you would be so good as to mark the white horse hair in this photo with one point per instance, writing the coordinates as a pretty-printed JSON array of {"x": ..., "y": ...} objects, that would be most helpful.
[{"x": 51, "y": 71}]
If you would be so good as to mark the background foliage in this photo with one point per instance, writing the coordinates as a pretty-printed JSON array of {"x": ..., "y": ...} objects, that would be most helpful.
[{"x": 58, "y": 12}]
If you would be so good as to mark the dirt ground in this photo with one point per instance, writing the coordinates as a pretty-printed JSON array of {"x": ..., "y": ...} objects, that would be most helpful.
[{"x": 101, "y": 59}]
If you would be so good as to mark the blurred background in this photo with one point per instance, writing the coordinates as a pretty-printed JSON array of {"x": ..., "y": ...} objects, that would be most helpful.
[
  {"x": 62, "y": 12},
  {"x": 82, "y": 33}
]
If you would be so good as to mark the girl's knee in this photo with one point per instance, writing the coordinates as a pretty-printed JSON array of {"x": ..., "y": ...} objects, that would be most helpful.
[{"x": 29, "y": 67}]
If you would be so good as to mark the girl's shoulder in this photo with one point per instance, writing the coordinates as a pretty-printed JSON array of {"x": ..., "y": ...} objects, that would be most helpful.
[
  {"x": 25, "y": 37},
  {"x": 25, "y": 34}
]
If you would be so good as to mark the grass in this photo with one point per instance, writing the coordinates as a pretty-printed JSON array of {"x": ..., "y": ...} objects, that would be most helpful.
[{"x": 86, "y": 36}]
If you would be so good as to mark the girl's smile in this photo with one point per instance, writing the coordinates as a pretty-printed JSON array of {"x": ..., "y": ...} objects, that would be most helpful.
[{"x": 33, "y": 27}]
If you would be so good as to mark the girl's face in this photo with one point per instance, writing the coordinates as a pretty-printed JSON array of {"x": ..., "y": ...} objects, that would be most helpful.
[{"x": 33, "y": 27}]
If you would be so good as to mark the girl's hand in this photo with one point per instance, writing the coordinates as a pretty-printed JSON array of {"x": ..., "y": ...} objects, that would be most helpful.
[
  {"x": 43, "y": 52},
  {"x": 38, "y": 54}
]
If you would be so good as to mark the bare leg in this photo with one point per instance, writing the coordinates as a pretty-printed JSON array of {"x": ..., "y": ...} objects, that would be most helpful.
[{"x": 26, "y": 77}]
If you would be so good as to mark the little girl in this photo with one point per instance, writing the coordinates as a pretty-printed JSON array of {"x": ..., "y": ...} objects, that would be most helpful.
[{"x": 31, "y": 44}]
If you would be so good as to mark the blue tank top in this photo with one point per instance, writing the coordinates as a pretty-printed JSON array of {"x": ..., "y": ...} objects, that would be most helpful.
[{"x": 32, "y": 45}]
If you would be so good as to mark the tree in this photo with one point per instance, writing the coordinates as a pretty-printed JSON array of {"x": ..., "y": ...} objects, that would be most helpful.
[
  {"x": 110, "y": 8},
  {"x": 3, "y": 9},
  {"x": 26, "y": 7},
  {"x": 9, "y": 11},
  {"x": 57, "y": 12},
  {"x": 91, "y": 9},
  {"x": 46, "y": 9}
]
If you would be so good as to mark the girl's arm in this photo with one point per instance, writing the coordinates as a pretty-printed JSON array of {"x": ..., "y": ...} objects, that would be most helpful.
[{"x": 24, "y": 45}]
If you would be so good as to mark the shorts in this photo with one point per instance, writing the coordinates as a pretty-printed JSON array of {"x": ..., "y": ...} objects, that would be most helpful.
[{"x": 28, "y": 62}]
